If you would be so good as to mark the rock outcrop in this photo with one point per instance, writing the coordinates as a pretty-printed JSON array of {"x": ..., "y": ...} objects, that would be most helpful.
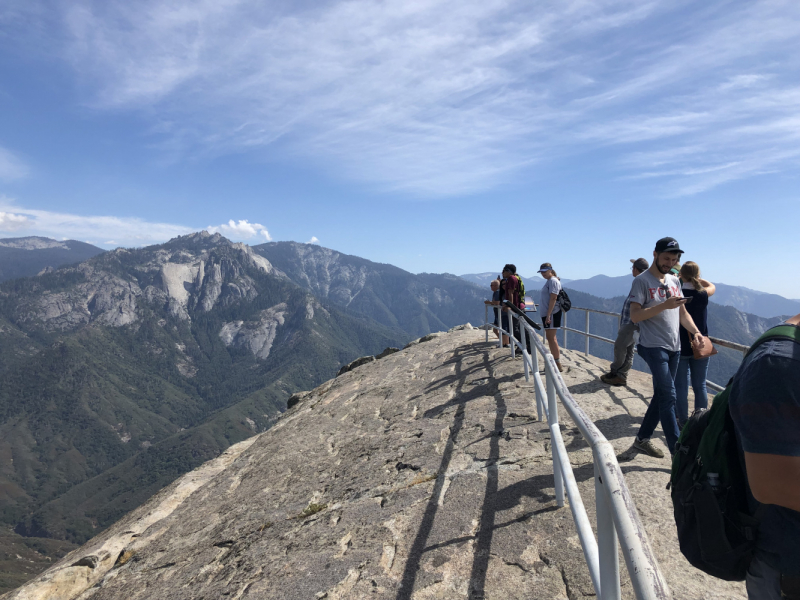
[
  {"x": 423, "y": 475},
  {"x": 192, "y": 273}
]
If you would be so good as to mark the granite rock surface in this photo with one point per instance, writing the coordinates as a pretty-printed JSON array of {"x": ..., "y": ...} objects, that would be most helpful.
[{"x": 423, "y": 475}]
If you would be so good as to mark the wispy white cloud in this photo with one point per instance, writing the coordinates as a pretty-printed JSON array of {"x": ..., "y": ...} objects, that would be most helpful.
[
  {"x": 313, "y": 240},
  {"x": 13, "y": 222},
  {"x": 11, "y": 166},
  {"x": 242, "y": 229},
  {"x": 125, "y": 231},
  {"x": 453, "y": 96}
]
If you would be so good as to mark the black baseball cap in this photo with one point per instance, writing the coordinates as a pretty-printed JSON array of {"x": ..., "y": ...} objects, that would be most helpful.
[{"x": 668, "y": 244}]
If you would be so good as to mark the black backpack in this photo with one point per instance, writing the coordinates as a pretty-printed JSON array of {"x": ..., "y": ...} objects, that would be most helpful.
[
  {"x": 563, "y": 300},
  {"x": 716, "y": 531}
]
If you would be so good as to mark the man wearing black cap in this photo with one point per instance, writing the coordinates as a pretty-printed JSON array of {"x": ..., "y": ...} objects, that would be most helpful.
[
  {"x": 657, "y": 306},
  {"x": 623, "y": 347}
]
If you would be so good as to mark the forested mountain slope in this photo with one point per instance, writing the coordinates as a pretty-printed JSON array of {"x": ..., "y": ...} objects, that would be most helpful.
[
  {"x": 138, "y": 365},
  {"x": 417, "y": 304}
]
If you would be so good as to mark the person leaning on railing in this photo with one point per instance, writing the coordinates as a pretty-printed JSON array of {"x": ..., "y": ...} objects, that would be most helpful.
[
  {"x": 623, "y": 346},
  {"x": 699, "y": 290},
  {"x": 495, "y": 301}
]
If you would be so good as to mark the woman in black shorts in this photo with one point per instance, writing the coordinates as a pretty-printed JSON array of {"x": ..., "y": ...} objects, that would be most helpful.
[{"x": 552, "y": 311}]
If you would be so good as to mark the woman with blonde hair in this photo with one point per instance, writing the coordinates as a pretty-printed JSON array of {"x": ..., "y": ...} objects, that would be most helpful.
[
  {"x": 689, "y": 367},
  {"x": 549, "y": 306}
]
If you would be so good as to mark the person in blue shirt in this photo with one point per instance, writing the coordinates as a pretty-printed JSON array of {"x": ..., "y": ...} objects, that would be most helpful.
[
  {"x": 699, "y": 290},
  {"x": 764, "y": 405}
]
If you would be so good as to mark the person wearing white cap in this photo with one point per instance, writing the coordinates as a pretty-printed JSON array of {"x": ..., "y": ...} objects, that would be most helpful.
[{"x": 549, "y": 304}]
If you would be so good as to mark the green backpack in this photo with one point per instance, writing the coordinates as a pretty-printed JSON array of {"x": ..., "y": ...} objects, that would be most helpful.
[{"x": 716, "y": 531}]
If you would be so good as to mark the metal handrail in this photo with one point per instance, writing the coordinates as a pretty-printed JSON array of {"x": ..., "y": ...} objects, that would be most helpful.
[
  {"x": 617, "y": 517},
  {"x": 719, "y": 342}
]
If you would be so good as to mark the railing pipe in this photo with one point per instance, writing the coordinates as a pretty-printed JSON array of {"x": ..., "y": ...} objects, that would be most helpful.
[
  {"x": 646, "y": 578},
  {"x": 606, "y": 541},
  {"x": 523, "y": 331},
  {"x": 537, "y": 383},
  {"x": 552, "y": 412},
  {"x": 582, "y": 523},
  {"x": 486, "y": 320},
  {"x": 586, "y": 350},
  {"x": 499, "y": 314}
]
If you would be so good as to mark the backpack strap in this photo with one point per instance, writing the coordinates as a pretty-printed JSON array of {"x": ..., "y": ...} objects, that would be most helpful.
[{"x": 784, "y": 331}]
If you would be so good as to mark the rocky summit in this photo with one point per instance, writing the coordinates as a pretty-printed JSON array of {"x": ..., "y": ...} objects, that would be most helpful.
[{"x": 422, "y": 475}]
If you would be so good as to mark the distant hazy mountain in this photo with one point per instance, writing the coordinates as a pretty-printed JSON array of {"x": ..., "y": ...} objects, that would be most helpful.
[
  {"x": 416, "y": 304},
  {"x": 602, "y": 286},
  {"x": 27, "y": 256},
  {"x": 757, "y": 303},
  {"x": 481, "y": 279},
  {"x": 741, "y": 298}
]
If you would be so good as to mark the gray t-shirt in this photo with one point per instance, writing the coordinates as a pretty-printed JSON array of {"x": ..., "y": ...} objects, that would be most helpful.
[
  {"x": 661, "y": 331},
  {"x": 551, "y": 286}
]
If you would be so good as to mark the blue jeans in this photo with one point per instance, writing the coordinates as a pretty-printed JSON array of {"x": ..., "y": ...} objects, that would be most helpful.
[
  {"x": 763, "y": 582},
  {"x": 698, "y": 368},
  {"x": 663, "y": 365}
]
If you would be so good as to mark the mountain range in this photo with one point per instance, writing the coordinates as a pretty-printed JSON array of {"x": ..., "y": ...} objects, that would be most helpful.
[
  {"x": 137, "y": 365},
  {"x": 134, "y": 366},
  {"x": 25, "y": 257},
  {"x": 741, "y": 298}
]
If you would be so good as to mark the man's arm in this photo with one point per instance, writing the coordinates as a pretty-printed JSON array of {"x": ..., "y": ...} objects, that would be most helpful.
[
  {"x": 639, "y": 314},
  {"x": 774, "y": 479}
]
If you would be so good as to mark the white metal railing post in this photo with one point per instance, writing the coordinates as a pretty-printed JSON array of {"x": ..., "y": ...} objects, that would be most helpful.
[
  {"x": 586, "y": 351},
  {"x": 535, "y": 364},
  {"x": 523, "y": 333},
  {"x": 552, "y": 409},
  {"x": 486, "y": 320},
  {"x": 499, "y": 314},
  {"x": 607, "y": 542},
  {"x": 511, "y": 343}
]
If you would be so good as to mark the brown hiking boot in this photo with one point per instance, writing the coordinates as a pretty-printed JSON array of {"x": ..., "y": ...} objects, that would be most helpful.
[
  {"x": 647, "y": 447},
  {"x": 618, "y": 380}
]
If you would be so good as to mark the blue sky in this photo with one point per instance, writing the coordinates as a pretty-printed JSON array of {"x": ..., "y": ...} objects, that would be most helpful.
[{"x": 434, "y": 135}]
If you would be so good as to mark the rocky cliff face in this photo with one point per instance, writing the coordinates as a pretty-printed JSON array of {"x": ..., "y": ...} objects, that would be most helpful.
[
  {"x": 422, "y": 475},
  {"x": 194, "y": 273},
  {"x": 417, "y": 304},
  {"x": 125, "y": 371}
]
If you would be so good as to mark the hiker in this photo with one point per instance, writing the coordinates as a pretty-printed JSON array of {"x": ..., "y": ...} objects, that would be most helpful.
[
  {"x": 657, "y": 305},
  {"x": 764, "y": 405},
  {"x": 623, "y": 346},
  {"x": 549, "y": 303},
  {"x": 700, "y": 290},
  {"x": 509, "y": 290},
  {"x": 495, "y": 301}
]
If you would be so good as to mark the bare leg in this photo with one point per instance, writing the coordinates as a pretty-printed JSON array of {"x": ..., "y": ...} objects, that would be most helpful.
[{"x": 553, "y": 343}]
